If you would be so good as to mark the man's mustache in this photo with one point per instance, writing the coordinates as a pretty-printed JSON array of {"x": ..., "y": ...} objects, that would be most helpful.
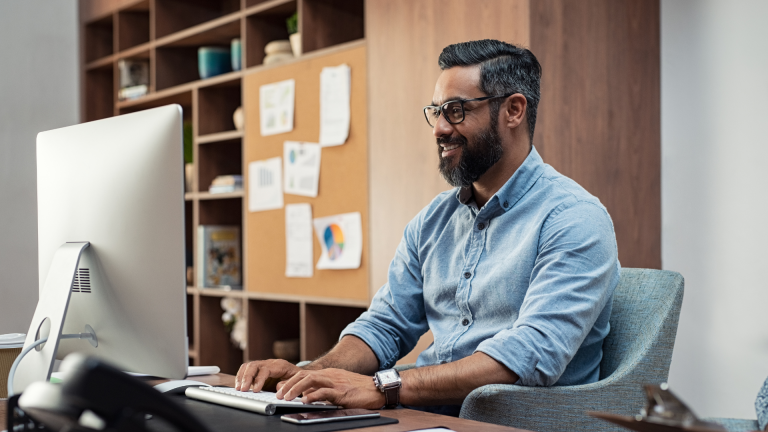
[{"x": 451, "y": 140}]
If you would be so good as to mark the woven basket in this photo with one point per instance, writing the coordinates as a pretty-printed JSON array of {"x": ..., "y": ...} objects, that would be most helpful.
[{"x": 7, "y": 356}]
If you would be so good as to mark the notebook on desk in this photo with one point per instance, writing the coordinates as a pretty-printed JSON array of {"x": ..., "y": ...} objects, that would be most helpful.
[{"x": 265, "y": 403}]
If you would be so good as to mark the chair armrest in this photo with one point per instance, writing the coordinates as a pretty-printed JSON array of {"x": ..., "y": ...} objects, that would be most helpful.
[
  {"x": 553, "y": 408},
  {"x": 735, "y": 425}
]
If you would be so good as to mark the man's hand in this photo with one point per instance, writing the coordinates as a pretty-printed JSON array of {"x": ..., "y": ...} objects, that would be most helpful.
[
  {"x": 256, "y": 373},
  {"x": 337, "y": 386}
]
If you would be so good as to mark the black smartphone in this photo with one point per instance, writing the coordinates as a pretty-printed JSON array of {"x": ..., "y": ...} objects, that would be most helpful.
[{"x": 329, "y": 416}]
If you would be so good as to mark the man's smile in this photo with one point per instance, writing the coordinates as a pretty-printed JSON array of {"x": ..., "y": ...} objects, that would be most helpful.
[{"x": 449, "y": 149}]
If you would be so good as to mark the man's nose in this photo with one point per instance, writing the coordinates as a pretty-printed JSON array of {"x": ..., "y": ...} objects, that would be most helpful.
[{"x": 442, "y": 127}]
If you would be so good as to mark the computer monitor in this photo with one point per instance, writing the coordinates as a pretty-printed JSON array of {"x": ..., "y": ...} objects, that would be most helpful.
[{"x": 111, "y": 245}]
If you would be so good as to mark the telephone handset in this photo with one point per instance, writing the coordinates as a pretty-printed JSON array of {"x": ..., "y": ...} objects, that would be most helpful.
[{"x": 95, "y": 395}]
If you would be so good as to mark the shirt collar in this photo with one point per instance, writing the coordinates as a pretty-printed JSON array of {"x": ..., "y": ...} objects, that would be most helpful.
[{"x": 514, "y": 189}]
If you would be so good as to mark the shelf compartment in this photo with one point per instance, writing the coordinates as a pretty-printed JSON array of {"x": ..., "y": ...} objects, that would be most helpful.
[
  {"x": 100, "y": 93},
  {"x": 325, "y": 23},
  {"x": 268, "y": 322},
  {"x": 214, "y": 346},
  {"x": 172, "y": 16},
  {"x": 324, "y": 324},
  {"x": 99, "y": 39},
  {"x": 218, "y": 32},
  {"x": 133, "y": 26},
  {"x": 222, "y": 158},
  {"x": 264, "y": 25},
  {"x": 216, "y": 105},
  {"x": 175, "y": 66},
  {"x": 227, "y": 211}
]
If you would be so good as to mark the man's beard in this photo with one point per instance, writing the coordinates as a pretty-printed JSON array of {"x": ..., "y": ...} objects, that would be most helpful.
[{"x": 474, "y": 160}]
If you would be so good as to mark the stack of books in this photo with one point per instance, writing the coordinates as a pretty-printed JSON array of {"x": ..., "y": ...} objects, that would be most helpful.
[
  {"x": 226, "y": 183},
  {"x": 134, "y": 78}
]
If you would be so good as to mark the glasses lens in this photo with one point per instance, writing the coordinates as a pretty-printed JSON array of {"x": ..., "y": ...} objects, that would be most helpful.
[
  {"x": 454, "y": 112},
  {"x": 432, "y": 113}
]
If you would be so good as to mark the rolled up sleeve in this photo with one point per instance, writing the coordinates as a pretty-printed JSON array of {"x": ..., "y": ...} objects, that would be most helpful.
[
  {"x": 391, "y": 327},
  {"x": 572, "y": 281}
]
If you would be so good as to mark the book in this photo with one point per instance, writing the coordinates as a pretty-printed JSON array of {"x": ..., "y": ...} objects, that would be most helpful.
[
  {"x": 227, "y": 180},
  {"x": 224, "y": 189},
  {"x": 218, "y": 257},
  {"x": 132, "y": 92}
]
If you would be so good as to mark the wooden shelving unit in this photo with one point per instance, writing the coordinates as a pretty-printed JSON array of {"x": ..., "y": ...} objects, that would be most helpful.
[{"x": 168, "y": 34}]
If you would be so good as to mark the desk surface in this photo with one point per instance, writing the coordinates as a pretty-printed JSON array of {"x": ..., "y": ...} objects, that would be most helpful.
[{"x": 409, "y": 419}]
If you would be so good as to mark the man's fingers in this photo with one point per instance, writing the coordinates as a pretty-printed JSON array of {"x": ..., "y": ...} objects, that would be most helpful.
[
  {"x": 323, "y": 394},
  {"x": 290, "y": 383},
  {"x": 313, "y": 380},
  {"x": 240, "y": 373},
  {"x": 260, "y": 379},
  {"x": 250, "y": 372}
]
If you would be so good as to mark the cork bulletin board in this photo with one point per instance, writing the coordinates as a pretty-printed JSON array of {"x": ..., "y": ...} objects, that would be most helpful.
[{"x": 343, "y": 186}]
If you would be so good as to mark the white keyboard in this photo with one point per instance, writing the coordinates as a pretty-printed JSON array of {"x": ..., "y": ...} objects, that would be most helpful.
[{"x": 262, "y": 402}]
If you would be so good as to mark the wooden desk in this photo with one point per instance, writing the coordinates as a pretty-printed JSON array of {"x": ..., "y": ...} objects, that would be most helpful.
[{"x": 409, "y": 419}]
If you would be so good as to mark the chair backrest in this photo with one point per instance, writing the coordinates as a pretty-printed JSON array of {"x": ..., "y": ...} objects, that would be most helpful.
[{"x": 646, "y": 308}]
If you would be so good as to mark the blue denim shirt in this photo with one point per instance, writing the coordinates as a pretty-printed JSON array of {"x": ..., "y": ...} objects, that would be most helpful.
[{"x": 528, "y": 280}]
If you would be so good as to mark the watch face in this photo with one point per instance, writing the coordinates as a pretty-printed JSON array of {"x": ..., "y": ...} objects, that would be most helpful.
[{"x": 388, "y": 377}]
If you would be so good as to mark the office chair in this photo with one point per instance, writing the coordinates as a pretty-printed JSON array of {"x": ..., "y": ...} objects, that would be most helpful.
[{"x": 637, "y": 351}]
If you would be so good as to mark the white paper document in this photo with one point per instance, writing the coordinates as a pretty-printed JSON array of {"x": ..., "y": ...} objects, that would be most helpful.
[
  {"x": 335, "y": 89},
  {"x": 265, "y": 190},
  {"x": 276, "y": 107},
  {"x": 301, "y": 167},
  {"x": 341, "y": 237},
  {"x": 298, "y": 240}
]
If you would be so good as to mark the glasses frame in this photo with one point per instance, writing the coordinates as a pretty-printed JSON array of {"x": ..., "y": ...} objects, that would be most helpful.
[{"x": 461, "y": 102}]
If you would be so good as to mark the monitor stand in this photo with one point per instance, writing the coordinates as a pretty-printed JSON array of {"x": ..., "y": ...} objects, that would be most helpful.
[{"x": 49, "y": 318}]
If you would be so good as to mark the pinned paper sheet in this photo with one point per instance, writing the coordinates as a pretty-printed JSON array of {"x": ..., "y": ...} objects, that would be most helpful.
[
  {"x": 335, "y": 92},
  {"x": 341, "y": 237},
  {"x": 302, "y": 168},
  {"x": 276, "y": 107},
  {"x": 299, "y": 252},
  {"x": 265, "y": 191}
]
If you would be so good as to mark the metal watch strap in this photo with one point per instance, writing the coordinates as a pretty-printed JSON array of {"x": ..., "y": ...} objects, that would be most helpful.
[{"x": 392, "y": 397}]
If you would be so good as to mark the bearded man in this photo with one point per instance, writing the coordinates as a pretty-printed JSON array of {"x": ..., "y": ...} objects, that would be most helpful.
[{"x": 513, "y": 271}]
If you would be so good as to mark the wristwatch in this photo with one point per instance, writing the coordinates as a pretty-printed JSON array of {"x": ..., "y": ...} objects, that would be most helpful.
[{"x": 388, "y": 382}]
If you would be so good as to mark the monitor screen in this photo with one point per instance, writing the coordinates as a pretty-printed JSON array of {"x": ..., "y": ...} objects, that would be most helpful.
[{"x": 116, "y": 184}]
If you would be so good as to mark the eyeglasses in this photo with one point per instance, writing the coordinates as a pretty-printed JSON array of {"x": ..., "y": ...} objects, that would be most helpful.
[{"x": 453, "y": 111}]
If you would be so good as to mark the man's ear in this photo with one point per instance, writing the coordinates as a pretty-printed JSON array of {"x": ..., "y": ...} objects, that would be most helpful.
[{"x": 513, "y": 110}]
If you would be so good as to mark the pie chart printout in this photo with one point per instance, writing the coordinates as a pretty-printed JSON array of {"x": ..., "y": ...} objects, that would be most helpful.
[
  {"x": 341, "y": 238},
  {"x": 334, "y": 241}
]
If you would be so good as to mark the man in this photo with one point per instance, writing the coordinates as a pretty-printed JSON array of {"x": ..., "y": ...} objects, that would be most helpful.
[{"x": 513, "y": 271}]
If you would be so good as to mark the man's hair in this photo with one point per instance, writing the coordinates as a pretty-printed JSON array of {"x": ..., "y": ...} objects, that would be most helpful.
[{"x": 504, "y": 69}]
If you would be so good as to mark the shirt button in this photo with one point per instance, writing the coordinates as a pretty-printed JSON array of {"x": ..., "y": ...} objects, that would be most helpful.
[
  {"x": 506, "y": 204},
  {"x": 480, "y": 226},
  {"x": 467, "y": 275},
  {"x": 464, "y": 322}
]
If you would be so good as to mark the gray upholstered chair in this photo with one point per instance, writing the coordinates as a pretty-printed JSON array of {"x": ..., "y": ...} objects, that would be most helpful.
[
  {"x": 637, "y": 351},
  {"x": 736, "y": 425}
]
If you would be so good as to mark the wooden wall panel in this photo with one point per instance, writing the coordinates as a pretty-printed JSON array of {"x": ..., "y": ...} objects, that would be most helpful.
[
  {"x": 599, "y": 117},
  {"x": 405, "y": 38}
]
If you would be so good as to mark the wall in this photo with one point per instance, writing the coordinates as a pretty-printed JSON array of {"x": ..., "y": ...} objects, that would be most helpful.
[
  {"x": 38, "y": 91},
  {"x": 714, "y": 63}
]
